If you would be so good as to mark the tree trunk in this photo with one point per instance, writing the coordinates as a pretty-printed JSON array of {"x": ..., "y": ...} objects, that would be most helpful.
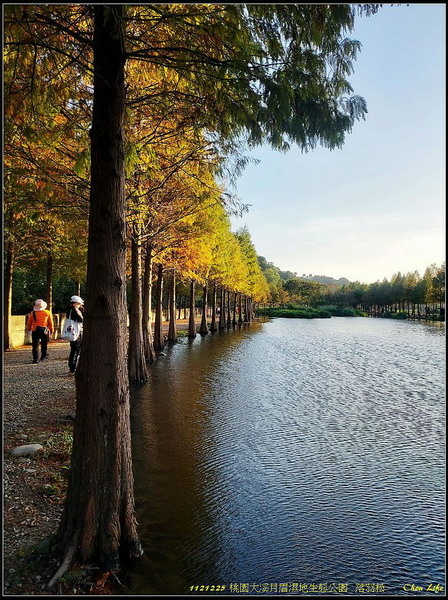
[
  {"x": 7, "y": 306},
  {"x": 229, "y": 316},
  {"x": 138, "y": 371},
  {"x": 245, "y": 309},
  {"x": 234, "y": 310},
  {"x": 203, "y": 330},
  {"x": 98, "y": 523},
  {"x": 158, "y": 334},
  {"x": 49, "y": 287},
  {"x": 192, "y": 320},
  {"x": 172, "y": 331},
  {"x": 222, "y": 310},
  {"x": 78, "y": 288},
  {"x": 240, "y": 317},
  {"x": 148, "y": 346},
  {"x": 213, "y": 321}
]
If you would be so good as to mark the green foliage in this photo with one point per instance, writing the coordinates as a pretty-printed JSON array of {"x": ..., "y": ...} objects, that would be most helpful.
[
  {"x": 299, "y": 312},
  {"x": 321, "y": 310},
  {"x": 304, "y": 291},
  {"x": 400, "y": 291},
  {"x": 395, "y": 315},
  {"x": 258, "y": 286},
  {"x": 339, "y": 311},
  {"x": 82, "y": 163},
  {"x": 285, "y": 275},
  {"x": 258, "y": 73},
  {"x": 30, "y": 285}
]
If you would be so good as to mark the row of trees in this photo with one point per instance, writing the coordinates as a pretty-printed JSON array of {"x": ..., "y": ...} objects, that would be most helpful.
[
  {"x": 121, "y": 124},
  {"x": 411, "y": 294}
]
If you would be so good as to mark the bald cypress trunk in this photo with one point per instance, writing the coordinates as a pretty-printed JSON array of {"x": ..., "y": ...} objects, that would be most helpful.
[
  {"x": 98, "y": 523},
  {"x": 138, "y": 371},
  {"x": 192, "y": 319},
  {"x": 222, "y": 309},
  {"x": 158, "y": 334},
  {"x": 172, "y": 330},
  {"x": 246, "y": 310},
  {"x": 7, "y": 299},
  {"x": 213, "y": 326},
  {"x": 250, "y": 309},
  {"x": 203, "y": 330},
  {"x": 49, "y": 282},
  {"x": 240, "y": 305},
  {"x": 148, "y": 346},
  {"x": 234, "y": 310}
]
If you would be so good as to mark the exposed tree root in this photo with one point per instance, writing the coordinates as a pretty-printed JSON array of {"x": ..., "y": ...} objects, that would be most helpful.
[{"x": 66, "y": 563}]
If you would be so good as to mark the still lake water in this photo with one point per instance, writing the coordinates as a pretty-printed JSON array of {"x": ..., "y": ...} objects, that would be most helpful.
[{"x": 290, "y": 453}]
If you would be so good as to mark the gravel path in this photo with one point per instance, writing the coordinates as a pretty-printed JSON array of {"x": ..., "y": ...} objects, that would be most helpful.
[
  {"x": 36, "y": 393},
  {"x": 37, "y": 402}
]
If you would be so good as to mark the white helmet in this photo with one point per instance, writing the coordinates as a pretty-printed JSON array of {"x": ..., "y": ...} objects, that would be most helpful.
[{"x": 77, "y": 299}]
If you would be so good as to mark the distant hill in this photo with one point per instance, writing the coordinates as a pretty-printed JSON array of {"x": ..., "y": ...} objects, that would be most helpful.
[
  {"x": 327, "y": 280},
  {"x": 285, "y": 275}
]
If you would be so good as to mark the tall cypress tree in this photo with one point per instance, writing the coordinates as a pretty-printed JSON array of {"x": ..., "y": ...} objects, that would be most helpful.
[
  {"x": 263, "y": 73},
  {"x": 99, "y": 519}
]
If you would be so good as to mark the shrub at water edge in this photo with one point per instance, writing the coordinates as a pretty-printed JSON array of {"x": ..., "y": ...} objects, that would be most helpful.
[{"x": 296, "y": 313}]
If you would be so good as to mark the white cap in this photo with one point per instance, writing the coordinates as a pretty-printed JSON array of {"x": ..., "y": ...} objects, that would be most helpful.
[
  {"x": 40, "y": 304},
  {"x": 77, "y": 299}
]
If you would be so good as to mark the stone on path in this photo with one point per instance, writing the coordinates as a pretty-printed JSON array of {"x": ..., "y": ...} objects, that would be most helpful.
[{"x": 26, "y": 450}]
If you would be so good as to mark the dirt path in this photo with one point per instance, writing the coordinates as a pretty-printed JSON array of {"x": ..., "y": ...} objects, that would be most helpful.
[
  {"x": 38, "y": 408},
  {"x": 37, "y": 402}
]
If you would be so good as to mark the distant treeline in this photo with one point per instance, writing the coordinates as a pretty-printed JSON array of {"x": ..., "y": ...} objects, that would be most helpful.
[{"x": 404, "y": 296}]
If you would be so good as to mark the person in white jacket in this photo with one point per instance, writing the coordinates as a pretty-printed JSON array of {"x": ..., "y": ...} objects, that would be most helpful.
[{"x": 75, "y": 312}]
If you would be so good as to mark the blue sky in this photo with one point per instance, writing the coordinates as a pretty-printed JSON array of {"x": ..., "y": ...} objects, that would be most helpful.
[{"x": 376, "y": 206}]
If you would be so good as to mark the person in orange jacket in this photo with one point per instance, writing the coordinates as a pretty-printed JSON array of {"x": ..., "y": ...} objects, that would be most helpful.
[{"x": 40, "y": 324}]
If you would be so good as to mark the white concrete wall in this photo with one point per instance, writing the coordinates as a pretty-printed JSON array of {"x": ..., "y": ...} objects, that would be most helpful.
[{"x": 18, "y": 331}]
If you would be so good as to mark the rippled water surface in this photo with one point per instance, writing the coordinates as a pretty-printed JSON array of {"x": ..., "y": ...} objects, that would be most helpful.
[{"x": 291, "y": 453}]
